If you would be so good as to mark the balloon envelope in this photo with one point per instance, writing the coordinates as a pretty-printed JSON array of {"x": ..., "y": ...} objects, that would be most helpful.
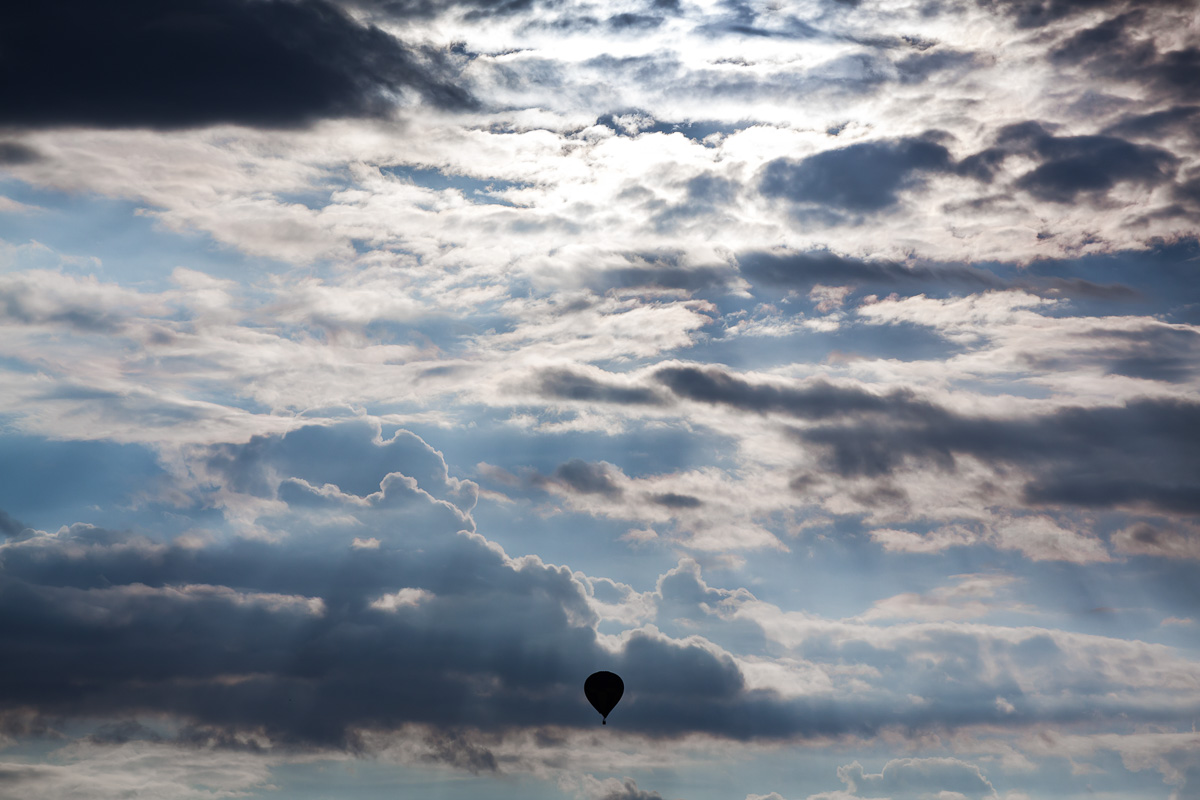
[{"x": 604, "y": 690}]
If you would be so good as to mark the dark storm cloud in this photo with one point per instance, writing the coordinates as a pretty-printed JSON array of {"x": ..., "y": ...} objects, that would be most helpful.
[
  {"x": 1094, "y": 164},
  {"x": 673, "y": 500},
  {"x": 1094, "y": 41},
  {"x": 17, "y": 153},
  {"x": 201, "y": 62},
  {"x": 710, "y": 188},
  {"x": 1078, "y": 288},
  {"x": 312, "y": 678},
  {"x": 1036, "y": 13},
  {"x": 296, "y": 637},
  {"x": 1071, "y": 168},
  {"x": 817, "y": 400},
  {"x": 14, "y": 776},
  {"x": 923, "y": 65},
  {"x": 628, "y": 21},
  {"x": 587, "y": 478},
  {"x": 715, "y": 385},
  {"x": 424, "y": 9},
  {"x": 789, "y": 268},
  {"x": 671, "y": 270},
  {"x": 456, "y": 750},
  {"x": 1154, "y": 352},
  {"x": 1157, "y": 123},
  {"x": 1142, "y": 454},
  {"x": 160, "y": 627},
  {"x": 860, "y": 178},
  {"x": 1189, "y": 191},
  {"x": 564, "y": 384},
  {"x": 1123, "y": 48},
  {"x": 153, "y": 632},
  {"x": 123, "y": 732},
  {"x": 690, "y": 279}
]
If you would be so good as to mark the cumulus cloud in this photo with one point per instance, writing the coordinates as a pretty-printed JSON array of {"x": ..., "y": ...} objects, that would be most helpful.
[
  {"x": 302, "y": 639},
  {"x": 258, "y": 653}
]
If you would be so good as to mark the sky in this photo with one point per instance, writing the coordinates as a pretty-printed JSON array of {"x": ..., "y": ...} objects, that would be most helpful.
[{"x": 374, "y": 371}]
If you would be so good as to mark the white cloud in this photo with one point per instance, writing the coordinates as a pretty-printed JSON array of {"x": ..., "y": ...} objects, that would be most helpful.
[
  {"x": 971, "y": 597},
  {"x": 403, "y": 598},
  {"x": 1038, "y": 537},
  {"x": 83, "y": 771}
]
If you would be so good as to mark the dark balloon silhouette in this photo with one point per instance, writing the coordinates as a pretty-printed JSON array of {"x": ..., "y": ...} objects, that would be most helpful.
[{"x": 604, "y": 690}]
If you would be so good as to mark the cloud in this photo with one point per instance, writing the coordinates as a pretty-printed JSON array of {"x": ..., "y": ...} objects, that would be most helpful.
[
  {"x": 861, "y": 178},
  {"x": 569, "y": 384},
  {"x": 301, "y": 638},
  {"x": 112, "y": 767},
  {"x": 622, "y": 254},
  {"x": 1038, "y": 13},
  {"x": 829, "y": 298},
  {"x": 203, "y": 62},
  {"x": 85, "y": 305},
  {"x": 17, "y": 153},
  {"x": 919, "y": 777},
  {"x": 1172, "y": 754},
  {"x": 673, "y": 500},
  {"x": 1069, "y": 460},
  {"x": 1151, "y": 352},
  {"x": 1162, "y": 540},
  {"x": 787, "y": 268},
  {"x": 10, "y": 527},
  {"x": 580, "y": 476},
  {"x": 970, "y": 597},
  {"x": 1155, "y": 124},
  {"x": 815, "y": 400},
  {"x": 1086, "y": 165},
  {"x": 309, "y": 640},
  {"x": 614, "y": 789},
  {"x": 1065, "y": 457},
  {"x": 651, "y": 272},
  {"x": 1126, "y": 48},
  {"x": 1037, "y": 537},
  {"x": 409, "y": 9},
  {"x": 1072, "y": 168}
]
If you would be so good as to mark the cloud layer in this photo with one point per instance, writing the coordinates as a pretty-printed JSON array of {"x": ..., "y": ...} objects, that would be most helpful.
[{"x": 373, "y": 371}]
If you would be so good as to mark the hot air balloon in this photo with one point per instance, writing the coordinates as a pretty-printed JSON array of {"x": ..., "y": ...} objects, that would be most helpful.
[{"x": 604, "y": 690}]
